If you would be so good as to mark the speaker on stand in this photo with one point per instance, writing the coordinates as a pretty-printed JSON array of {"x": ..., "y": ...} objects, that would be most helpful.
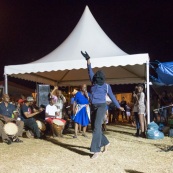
[{"x": 43, "y": 93}]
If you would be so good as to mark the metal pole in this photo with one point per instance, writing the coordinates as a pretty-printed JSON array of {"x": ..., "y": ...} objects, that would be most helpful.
[
  {"x": 148, "y": 92},
  {"x": 6, "y": 84}
]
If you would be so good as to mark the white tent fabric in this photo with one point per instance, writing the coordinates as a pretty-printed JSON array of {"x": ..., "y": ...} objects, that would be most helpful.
[{"x": 66, "y": 66}]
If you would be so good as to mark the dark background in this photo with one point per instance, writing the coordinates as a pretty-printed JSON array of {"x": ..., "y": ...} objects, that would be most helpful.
[{"x": 30, "y": 29}]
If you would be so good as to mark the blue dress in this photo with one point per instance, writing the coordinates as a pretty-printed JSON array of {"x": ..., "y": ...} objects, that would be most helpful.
[{"x": 83, "y": 112}]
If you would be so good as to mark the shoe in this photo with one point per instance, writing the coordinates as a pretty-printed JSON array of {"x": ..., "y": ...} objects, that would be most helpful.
[
  {"x": 95, "y": 155},
  {"x": 16, "y": 139},
  {"x": 137, "y": 134},
  {"x": 143, "y": 135},
  {"x": 105, "y": 148},
  {"x": 74, "y": 136},
  {"x": 7, "y": 141},
  {"x": 29, "y": 134}
]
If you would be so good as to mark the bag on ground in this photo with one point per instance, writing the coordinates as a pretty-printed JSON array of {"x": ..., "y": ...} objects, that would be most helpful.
[{"x": 153, "y": 131}]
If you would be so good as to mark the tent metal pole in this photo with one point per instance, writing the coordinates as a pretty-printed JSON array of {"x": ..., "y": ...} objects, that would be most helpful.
[
  {"x": 148, "y": 92},
  {"x": 6, "y": 83}
]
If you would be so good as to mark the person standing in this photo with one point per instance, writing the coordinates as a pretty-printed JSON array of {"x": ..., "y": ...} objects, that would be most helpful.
[
  {"x": 135, "y": 110},
  {"x": 81, "y": 110},
  {"x": 164, "y": 103},
  {"x": 59, "y": 99},
  {"x": 141, "y": 110},
  {"x": 123, "y": 104},
  {"x": 99, "y": 90}
]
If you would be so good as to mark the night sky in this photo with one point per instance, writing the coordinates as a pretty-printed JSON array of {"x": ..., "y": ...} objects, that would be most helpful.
[{"x": 31, "y": 29}]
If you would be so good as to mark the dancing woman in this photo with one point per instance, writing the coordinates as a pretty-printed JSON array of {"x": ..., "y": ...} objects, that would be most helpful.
[{"x": 99, "y": 90}]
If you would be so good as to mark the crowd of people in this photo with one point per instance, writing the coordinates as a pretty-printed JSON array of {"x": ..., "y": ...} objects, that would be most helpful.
[
  {"x": 84, "y": 108},
  {"x": 26, "y": 115},
  {"x": 161, "y": 107}
]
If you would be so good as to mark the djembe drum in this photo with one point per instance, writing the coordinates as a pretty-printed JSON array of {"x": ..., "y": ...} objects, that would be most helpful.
[
  {"x": 41, "y": 125},
  {"x": 10, "y": 129},
  {"x": 58, "y": 126}
]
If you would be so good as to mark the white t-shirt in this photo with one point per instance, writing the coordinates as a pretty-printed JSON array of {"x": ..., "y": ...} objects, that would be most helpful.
[{"x": 51, "y": 110}]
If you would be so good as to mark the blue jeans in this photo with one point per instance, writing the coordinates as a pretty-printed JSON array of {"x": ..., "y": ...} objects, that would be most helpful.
[
  {"x": 99, "y": 140},
  {"x": 137, "y": 120},
  {"x": 31, "y": 124},
  {"x": 164, "y": 113}
]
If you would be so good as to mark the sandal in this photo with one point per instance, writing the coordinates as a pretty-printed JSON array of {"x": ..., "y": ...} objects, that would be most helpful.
[
  {"x": 7, "y": 141},
  {"x": 17, "y": 140}
]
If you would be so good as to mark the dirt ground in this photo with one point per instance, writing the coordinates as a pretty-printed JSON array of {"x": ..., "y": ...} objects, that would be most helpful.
[{"x": 67, "y": 155}]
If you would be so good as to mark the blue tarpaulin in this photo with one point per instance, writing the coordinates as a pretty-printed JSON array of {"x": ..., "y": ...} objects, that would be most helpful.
[
  {"x": 156, "y": 81},
  {"x": 165, "y": 72}
]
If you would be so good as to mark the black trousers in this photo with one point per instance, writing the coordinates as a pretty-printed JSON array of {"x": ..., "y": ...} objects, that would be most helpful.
[{"x": 99, "y": 140}]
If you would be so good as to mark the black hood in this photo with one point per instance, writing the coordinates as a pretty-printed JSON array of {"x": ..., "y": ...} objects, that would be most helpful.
[{"x": 99, "y": 78}]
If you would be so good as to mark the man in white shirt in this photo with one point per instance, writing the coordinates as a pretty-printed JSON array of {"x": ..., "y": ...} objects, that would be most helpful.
[{"x": 52, "y": 112}]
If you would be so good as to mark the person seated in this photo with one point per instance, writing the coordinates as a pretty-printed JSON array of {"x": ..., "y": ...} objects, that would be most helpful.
[
  {"x": 53, "y": 113},
  {"x": 28, "y": 115},
  {"x": 6, "y": 111}
]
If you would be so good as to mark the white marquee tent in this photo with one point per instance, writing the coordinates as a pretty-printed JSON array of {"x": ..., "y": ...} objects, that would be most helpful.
[{"x": 65, "y": 66}]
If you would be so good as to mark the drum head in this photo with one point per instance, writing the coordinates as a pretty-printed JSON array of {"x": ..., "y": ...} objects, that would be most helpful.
[
  {"x": 10, "y": 128},
  {"x": 41, "y": 125},
  {"x": 58, "y": 122}
]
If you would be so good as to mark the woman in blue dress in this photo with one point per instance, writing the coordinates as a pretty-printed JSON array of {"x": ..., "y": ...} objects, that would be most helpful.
[{"x": 81, "y": 110}]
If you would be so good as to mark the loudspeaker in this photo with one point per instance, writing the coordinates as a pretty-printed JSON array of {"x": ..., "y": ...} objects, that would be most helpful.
[
  {"x": 43, "y": 93},
  {"x": 1, "y": 91}
]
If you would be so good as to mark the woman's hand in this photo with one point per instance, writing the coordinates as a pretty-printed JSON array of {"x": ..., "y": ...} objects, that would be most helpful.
[
  {"x": 87, "y": 57},
  {"x": 86, "y": 93}
]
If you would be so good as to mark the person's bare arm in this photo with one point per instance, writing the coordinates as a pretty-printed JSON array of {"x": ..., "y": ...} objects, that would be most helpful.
[
  {"x": 55, "y": 88},
  {"x": 30, "y": 115},
  {"x": 74, "y": 107}
]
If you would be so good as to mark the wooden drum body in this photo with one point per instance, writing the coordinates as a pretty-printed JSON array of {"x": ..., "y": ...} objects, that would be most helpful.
[{"x": 58, "y": 126}]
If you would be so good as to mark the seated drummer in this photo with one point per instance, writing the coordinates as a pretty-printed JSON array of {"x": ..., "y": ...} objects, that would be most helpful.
[
  {"x": 6, "y": 111},
  {"x": 53, "y": 113},
  {"x": 28, "y": 115}
]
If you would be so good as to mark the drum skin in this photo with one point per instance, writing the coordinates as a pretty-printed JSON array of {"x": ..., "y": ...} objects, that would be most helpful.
[
  {"x": 10, "y": 128},
  {"x": 41, "y": 125}
]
